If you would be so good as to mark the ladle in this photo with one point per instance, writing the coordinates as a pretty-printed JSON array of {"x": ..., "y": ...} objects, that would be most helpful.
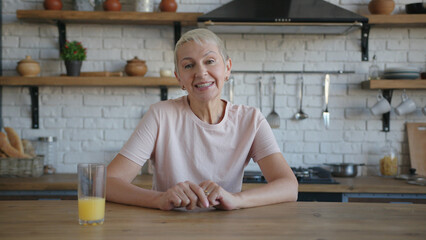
[{"x": 301, "y": 115}]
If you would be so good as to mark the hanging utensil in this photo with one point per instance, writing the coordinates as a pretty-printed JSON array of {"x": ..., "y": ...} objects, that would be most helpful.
[
  {"x": 273, "y": 118},
  {"x": 301, "y": 115},
  {"x": 231, "y": 89},
  {"x": 260, "y": 88},
  {"x": 326, "y": 114}
]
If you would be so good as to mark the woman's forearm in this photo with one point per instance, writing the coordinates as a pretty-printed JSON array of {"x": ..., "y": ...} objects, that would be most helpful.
[
  {"x": 279, "y": 190},
  {"x": 120, "y": 191}
]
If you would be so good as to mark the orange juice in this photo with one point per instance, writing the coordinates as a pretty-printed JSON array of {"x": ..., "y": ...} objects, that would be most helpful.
[{"x": 91, "y": 208}]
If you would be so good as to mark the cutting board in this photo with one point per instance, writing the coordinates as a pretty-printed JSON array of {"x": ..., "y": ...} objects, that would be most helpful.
[{"x": 417, "y": 144}]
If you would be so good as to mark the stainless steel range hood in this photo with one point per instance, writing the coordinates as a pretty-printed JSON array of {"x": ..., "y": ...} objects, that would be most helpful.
[{"x": 281, "y": 16}]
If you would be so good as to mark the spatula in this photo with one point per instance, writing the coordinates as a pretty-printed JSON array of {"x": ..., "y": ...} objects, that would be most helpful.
[{"x": 326, "y": 114}]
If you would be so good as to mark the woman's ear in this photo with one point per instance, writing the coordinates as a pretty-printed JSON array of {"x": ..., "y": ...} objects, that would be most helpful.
[
  {"x": 228, "y": 67},
  {"x": 180, "y": 82}
]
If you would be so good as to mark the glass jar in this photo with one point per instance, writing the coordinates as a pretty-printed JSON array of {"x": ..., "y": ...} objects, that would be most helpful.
[
  {"x": 374, "y": 70},
  {"x": 389, "y": 161},
  {"x": 47, "y": 146}
]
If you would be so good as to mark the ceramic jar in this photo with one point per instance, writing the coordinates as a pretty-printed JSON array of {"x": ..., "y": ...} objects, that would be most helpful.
[
  {"x": 381, "y": 6},
  {"x": 168, "y": 6},
  {"x": 136, "y": 67},
  {"x": 28, "y": 67},
  {"x": 112, "y": 5},
  {"x": 52, "y": 4}
]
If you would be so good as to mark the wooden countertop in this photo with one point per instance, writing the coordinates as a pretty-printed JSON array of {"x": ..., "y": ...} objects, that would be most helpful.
[
  {"x": 42, "y": 220},
  {"x": 347, "y": 185}
]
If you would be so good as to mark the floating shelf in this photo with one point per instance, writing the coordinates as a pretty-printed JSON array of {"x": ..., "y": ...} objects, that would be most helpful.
[
  {"x": 394, "y": 84},
  {"x": 102, "y": 17},
  {"x": 397, "y": 20},
  {"x": 90, "y": 81}
]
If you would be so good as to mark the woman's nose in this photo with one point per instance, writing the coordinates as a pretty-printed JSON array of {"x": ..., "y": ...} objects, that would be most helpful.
[{"x": 200, "y": 71}]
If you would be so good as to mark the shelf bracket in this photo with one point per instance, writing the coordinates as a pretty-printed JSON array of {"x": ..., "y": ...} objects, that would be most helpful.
[
  {"x": 34, "y": 107},
  {"x": 365, "y": 32},
  {"x": 164, "y": 93},
  {"x": 62, "y": 35},
  {"x": 387, "y": 94},
  {"x": 178, "y": 30}
]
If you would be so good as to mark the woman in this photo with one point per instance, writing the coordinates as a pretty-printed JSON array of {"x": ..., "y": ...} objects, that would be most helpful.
[{"x": 200, "y": 143}]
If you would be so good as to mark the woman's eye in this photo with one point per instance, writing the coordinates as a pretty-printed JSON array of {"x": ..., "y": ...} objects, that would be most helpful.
[
  {"x": 210, "y": 61},
  {"x": 187, "y": 66}
]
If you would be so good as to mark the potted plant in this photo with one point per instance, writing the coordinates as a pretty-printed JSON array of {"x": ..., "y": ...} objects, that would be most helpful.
[{"x": 73, "y": 53}]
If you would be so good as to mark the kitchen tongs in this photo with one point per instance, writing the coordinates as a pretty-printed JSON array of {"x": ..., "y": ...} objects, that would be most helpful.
[{"x": 326, "y": 114}]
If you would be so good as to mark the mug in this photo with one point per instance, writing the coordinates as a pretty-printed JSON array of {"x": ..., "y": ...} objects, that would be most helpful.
[
  {"x": 406, "y": 106},
  {"x": 382, "y": 106}
]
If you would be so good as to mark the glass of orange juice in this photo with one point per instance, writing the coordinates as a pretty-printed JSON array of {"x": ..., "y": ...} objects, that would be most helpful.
[{"x": 91, "y": 193}]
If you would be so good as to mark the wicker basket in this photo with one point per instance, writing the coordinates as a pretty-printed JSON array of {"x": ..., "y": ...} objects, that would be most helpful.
[{"x": 20, "y": 167}]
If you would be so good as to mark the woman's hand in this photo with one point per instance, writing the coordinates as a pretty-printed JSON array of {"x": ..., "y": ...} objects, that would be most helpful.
[
  {"x": 184, "y": 194},
  {"x": 219, "y": 197}
]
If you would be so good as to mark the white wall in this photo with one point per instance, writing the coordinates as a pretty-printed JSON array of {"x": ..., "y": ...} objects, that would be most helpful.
[{"x": 92, "y": 123}]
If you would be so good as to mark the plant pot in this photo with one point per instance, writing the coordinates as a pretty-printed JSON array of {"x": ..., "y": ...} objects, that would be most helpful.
[{"x": 73, "y": 67}]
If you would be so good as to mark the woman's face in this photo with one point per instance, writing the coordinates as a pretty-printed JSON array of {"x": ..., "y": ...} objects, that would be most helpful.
[{"x": 202, "y": 71}]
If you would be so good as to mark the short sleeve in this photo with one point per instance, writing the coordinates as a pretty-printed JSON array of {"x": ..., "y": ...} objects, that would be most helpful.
[
  {"x": 264, "y": 143},
  {"x": 141, "y": 143}
]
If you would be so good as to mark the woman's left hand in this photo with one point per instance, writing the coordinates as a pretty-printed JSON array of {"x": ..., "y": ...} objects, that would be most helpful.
[{"x": 219, "y": 197}]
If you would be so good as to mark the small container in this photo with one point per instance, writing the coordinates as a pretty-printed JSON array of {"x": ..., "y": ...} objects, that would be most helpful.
[
  {"x": 389, "y": 161},
  {"x": 166, "y": 72},
  {"x": 136, "y": 67},
  {"x": 47, "y": 146},
  {"x": 28, "y": 67},
  {"x": 144, "y": 5}
]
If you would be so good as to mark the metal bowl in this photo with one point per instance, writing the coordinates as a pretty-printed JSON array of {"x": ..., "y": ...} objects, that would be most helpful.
[{"x": 344, "y": 169}]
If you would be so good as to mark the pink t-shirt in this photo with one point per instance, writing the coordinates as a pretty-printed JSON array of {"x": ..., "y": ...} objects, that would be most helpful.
[{"x": 184, "y": 148}]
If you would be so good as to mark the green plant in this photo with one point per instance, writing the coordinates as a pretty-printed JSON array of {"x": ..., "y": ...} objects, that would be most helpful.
[{"x": 73, "y": 51}]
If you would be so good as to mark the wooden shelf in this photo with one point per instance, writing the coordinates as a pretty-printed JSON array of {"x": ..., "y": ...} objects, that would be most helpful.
[
  {"x": 397, "y": 20},
  {"x": 394, "y": 84},
  {"x": 90, "y": 81},
  {"x": 101, "y": 17}
]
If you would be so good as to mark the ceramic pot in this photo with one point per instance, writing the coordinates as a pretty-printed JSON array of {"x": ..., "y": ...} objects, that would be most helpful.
[
  {"x": 73, "y": 68},
  {"x": 168, "y": 6},
  {"x": 112, "y": 5},
  {"x": 52, "y": 4},
  {"x": 381, "y": 6},
  {"x": 136, "y": 67},
  {"x": 28, "y": 67}
]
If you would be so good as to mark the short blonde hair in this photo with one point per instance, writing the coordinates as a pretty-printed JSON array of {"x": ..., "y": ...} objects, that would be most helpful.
[{"x": 200, "y": 36}]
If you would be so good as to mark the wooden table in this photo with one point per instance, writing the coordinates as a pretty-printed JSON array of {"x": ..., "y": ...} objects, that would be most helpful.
[{"x": 299, "y": 220}]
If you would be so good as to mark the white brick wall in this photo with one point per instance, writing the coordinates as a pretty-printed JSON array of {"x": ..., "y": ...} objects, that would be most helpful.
[{"x": 92, "y": 123}]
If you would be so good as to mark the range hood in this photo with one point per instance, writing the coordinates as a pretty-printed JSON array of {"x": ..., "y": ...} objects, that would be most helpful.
[{"x": 281, "y": 16}]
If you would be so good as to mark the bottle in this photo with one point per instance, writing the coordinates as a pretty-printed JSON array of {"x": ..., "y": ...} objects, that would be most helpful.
[
  {"x": 389, "y": 161},
  {"x": 374, "y": 71},
  {"x": 47, "y": 146}
]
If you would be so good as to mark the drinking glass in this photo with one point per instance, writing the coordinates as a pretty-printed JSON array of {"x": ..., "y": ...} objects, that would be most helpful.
[{"x": 91, "y": 193}]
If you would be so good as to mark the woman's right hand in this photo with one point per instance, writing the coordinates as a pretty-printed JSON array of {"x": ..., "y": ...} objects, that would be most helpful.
[{"x": 184, "y": 194}]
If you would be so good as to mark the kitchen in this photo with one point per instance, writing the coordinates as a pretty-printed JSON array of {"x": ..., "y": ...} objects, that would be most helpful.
[{"x": 92, "y": 123}]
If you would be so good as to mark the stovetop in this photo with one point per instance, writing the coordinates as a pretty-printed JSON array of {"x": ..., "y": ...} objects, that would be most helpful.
[{"x": 312, "y": 175}]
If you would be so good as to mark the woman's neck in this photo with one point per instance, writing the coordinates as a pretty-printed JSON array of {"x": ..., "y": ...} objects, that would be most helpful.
[{"x": 211, "y": 112}]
